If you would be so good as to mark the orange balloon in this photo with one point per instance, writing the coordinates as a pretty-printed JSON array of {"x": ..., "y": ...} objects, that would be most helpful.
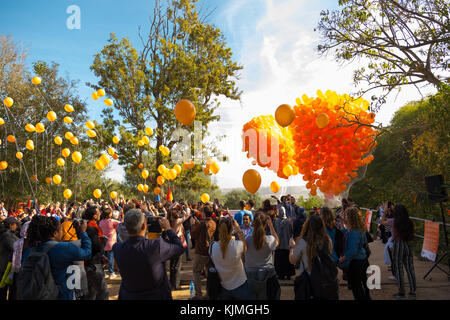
[
  {"x": 251, "y": 180},
  {"x": 284, "y": 115},
  {"x": 185, "y": 112}
]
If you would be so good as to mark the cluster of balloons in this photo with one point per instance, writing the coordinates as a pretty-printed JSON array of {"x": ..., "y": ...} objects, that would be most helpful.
[
  {"x": 211, "y": 167},
  {"x": 330, "y": 133}
]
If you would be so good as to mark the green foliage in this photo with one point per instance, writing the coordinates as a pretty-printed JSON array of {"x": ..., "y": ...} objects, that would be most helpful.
[
  {"x": 404, "y": 42},
  {"x": 233, "y": 197},
  {"x": 182, "y": 57},
  {"x": 311, "y": 202},
  {"x": 417, "y": 147}
]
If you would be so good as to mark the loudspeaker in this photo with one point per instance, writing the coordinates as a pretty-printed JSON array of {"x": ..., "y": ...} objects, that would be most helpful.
[{"x": 437, "y": 191}]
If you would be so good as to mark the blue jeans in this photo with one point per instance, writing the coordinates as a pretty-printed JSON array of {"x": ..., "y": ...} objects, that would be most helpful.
[
  {"x": 240, "y": 293},
  {"x": 187, "y": 236},
  {"x": 110, "y": 256}
]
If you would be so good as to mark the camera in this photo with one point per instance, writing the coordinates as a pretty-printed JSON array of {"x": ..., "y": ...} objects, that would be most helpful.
[{"x": 153, "y": 224}]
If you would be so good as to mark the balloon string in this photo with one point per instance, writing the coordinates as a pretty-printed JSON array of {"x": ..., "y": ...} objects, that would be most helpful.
[{"x": 17, "y": 148}]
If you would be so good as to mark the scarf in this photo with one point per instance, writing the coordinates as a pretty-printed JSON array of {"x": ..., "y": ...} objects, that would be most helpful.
[{"x": 94, "y": 225}]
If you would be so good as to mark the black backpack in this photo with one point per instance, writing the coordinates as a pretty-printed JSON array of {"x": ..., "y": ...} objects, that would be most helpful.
[
  {"x": 35, "y": 280},
  {"x": 324, "y": 276}
]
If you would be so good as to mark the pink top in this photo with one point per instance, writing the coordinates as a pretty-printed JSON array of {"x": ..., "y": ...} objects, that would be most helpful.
[{"x": 109, "y": 227}]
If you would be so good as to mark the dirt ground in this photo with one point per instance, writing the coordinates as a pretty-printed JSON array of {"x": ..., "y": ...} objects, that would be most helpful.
[{"x": 435, "y": 287}]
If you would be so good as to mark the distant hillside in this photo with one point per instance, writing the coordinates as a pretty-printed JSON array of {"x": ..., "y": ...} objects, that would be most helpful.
[{"x": 265, "y": 192}]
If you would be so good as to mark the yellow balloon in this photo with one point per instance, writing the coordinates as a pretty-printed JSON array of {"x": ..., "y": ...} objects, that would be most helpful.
[
  {"x": 161, "y": 169},
  {"x": 76, "y": 157},
  {"x": 29, "y": 145},
  {"x": 214, "y": 167},
  {"x": 144, "y": 173},
  {"x": 3, "y": 165},
  {"x": 94, "y": 95},
  {"x": 58, "y": 140},
  {"x": 140, "y": 143},
  {"x": 11, "y": 138},
  {"x": 322, "y": 120},
  {"x": 109, "y": 102},
  {"x": 140, "y": 186},
  {"x": 51, "y": 116},
  {"x": 166, "y": 151},
  {"x": 177, "y": 168},
  {"x": 30, "y": 128},
  {"x": 172, "y": 174},
  {"x": 284, "y": 115},
  {"x": 60, "y": 162},
  {"x": 48, "y": 180},
  {"x": 19, "y": 155},
  {"x": 145, "y": 139},
  {"x": 74, "y": 141},
  {"x": 111, "y": 151},
  {"x": 140, "y": 165},
  {"x": 90, "y": 125},
  {"x": 100, "y": 93},
  {"x": 68, "y": 135},
  {"x": 56, "y": 179},
  {"x": 275, "y": 187},
  {"x": 204, "y": 197},
  {"x": 2, "y": 122},
  {"x": 68, "y": 120},
  {"x": 185, "y": 112},
  {"x": 8, "y": 101},
  {"x": 68, "y": 108},
  {"x": 160, "y": 180},
  {"x": 40, "y": 127},
  {"x": 36, "y": 80},
  {"x": 145, "y": 188},
  {"x": 67, "y": 193},
  {"x": 91, "y": 133},
  {"x": 113, "y": 194},
  {"x": 97, "y": 193},
  {"x": 115, "y": 156},
  {"x": 115, "y": 140},
  {"x": 157, "y": 190},
  {"x": 99, "y": 165},
  {"x": 65, "y": 152},
  {"x": 251, "y": 180},
  {"x": 148, "y": 131},
  {"x": 104, "y": 159},
  {"x": 288, "y": 170}
]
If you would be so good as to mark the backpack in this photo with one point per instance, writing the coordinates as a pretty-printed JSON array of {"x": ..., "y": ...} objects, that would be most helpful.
[
  {"x": 35, "y": 280},
  {"x": 324, "y": 276}
]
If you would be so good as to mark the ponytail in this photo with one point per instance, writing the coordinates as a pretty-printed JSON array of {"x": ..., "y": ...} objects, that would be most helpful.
[
  {"x": 225, "y": 228},
  {"x": 259, "y": 232}
]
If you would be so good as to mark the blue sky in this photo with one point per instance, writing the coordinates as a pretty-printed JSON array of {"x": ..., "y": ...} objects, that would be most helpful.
[{"x": 273, "y": 39}]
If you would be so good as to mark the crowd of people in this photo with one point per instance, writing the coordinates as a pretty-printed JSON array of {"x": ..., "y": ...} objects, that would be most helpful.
[{"x": 251, "y": 250}]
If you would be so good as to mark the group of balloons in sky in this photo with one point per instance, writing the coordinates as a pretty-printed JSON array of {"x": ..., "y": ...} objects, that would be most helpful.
[
  {"x": 51, "y": 116},
  {"x": 326, "y": 139}
]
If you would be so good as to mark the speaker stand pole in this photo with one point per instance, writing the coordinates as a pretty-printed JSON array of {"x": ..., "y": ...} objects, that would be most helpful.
[{"x": 436, "y": 265}]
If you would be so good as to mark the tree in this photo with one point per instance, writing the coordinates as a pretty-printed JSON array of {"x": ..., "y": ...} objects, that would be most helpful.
[
  {"x": 311, "y": 202},
  {"x": 233, "y": 197},
  {"x": 405, "y": 42},
  {"x": 182, "y": 57}
]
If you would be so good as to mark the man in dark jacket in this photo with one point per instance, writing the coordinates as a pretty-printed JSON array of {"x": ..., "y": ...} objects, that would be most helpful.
[
  {"x": 299, "y": 220},
  {"x": 7, "y": 238},
  {"x": 142, "y": 262}
]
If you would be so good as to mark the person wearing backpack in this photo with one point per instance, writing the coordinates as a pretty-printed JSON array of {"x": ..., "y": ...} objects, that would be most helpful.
[
  {"x": 318, "y": 273},
  {"x": 44, "y": 234},
  {"x": 7, "y": 238},
  {"x": 355, "y": 255}
]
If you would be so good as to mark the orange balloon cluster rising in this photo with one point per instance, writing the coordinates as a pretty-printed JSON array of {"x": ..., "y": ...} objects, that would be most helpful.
[{"x": 328, "y": 140}]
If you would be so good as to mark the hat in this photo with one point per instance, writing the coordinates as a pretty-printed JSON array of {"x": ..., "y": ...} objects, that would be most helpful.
[{"x": 11, "y": 220}]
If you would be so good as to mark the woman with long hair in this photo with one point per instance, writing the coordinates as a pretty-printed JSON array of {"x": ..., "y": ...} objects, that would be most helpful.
[
  {"x": 333, "y": 232},
  {"x": 227, "y": 255},
  {"x": 108, "y": 226},
  {"x": 402, "y": 234},
  {"x": 355, "y": 254},
  {"x": 259, "y": 266}
]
